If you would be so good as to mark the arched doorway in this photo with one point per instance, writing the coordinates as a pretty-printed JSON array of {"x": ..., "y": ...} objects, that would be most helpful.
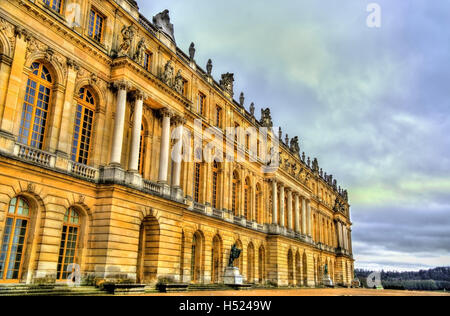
[
  {"x": 298, "y": 269},
  {"x": 262, "y": 265},
  {"x": 250, "y": 263},
  {"x": 148, "y": 253},
  {"x": 196, "y": 258},
  {"x": 216, "y": 260},
  {"x": 14, "y": 240},
  {"x": 290, "y": 263}
]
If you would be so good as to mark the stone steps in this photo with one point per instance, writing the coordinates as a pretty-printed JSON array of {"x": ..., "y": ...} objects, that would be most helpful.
[{"x": 27, "y": 290}]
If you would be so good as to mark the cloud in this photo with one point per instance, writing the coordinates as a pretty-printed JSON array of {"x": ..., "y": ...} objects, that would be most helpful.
[{"x": 371, "y": 104}]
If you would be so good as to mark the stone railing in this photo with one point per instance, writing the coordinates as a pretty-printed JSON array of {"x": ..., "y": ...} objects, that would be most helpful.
[
  {"x": 34, "y": 155},
  {"x": 152, "y": 187},
  {"x": 217, "y": 213},
  {"x": 199, "y": 207},
  {"x": 83, "y": 171}
]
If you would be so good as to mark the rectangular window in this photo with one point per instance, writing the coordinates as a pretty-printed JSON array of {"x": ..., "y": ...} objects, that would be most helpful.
[
  {"x": 148, "y": 61},
  {"x": 218, "y": 117},
  {"x": 185, "y": 87},
  {"x": 201, "y": 106},
  {"x": 96, "y": 24},
  {"x": 197, "y": 183},
  {"x": 55, "y": 5}
]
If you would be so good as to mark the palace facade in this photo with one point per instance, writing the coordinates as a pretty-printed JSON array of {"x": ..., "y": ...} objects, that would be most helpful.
[{"x": 93, "y": 97}]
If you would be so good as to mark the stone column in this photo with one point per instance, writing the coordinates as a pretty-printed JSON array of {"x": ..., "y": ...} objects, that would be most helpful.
[
  {"x": 308, "y": 209},
  {"x": 304, "y": 227},
  {"x": 297, "y": 214},
  {"x": 165, "y": 146},
  {"x": 178, "y": 151},
  {"x": 282, "y": 206},
  {"x": 274, "y": 202},
  {"x": 11, "y": 109},
  {"x": 66, "y": 129},
  {"x": 136, "y": 133},
  {"x": 289, "y": 210},
  {"x": 116, "y": 151}
]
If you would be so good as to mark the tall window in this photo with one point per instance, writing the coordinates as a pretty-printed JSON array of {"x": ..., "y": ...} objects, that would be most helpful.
[
  {"x": 55, "y": 5},
  {"x": 247, "y": 208},
  {"x": 14, "y": 239},
  {"x": 84, "y": 119},
  {"x": 258, "y": 204},
  {"x": 218, "y": 117},
  {"x": 197, "y": 172},
  {"x": 201, "y": 106},
  {"x": 215, "y": 182},
  {"x": 96, "y": 24},
  {"x": 36, "y": 106},
  {"x": 185, "y": 87},
  {"x": 69, "y": 242},
  {"x": 142, "y": 149},
  {"x": 148, "y": 61},
  {"x": 235, "y": 195}
]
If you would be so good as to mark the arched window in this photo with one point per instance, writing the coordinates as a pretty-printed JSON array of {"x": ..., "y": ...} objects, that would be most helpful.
[
  {"x": 215, "y": 183},
  {"x": 84, "y": 119},
  {"x": 55, "y": 5},
  {"x": 235, "y": 194},
  {"x": 142, "y": 149},
  {"x": 197, "y": 174},
  {"x": 36, "y": 107},
  {"x": 258, "y": 203},
  {"x": 14, "y": 240},
  {"x": 69, "y": 243},
  {"x": 196, "y": 257},
  {"x": 247, "y": 200}
]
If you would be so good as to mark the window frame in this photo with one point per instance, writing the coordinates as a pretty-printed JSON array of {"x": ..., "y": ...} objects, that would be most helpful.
[
  {"x": 97, "y": 14},
  {"x": 86, "y": 106}
]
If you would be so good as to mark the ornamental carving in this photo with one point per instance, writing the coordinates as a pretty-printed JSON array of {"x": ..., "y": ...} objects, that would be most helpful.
[
  {"x": 128, "y": 33},
  {"x": 178, "y": 83},
  {"x": 167, "y": 75},
  {"x": 139, "y": 56}
]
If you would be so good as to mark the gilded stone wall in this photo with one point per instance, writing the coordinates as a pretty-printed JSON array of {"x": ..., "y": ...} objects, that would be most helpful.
[{"x": 141, "y": 226}]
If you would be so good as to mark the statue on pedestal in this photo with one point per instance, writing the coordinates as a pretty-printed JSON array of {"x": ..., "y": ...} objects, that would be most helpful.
[{"x": 235, "y": 253}]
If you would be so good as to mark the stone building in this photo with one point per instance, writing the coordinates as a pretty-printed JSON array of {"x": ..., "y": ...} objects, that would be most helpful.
[{"x": 93, "y": 97}]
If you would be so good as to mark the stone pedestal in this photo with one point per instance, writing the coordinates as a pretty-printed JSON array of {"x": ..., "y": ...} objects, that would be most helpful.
[
  {"x": 233, "y": 276},
  {"x": 327, "y": 281}
]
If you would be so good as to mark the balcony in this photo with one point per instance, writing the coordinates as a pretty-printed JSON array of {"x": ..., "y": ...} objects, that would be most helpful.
[
  {"x": 151, "y": 187},
  {"x": 83, "y": 171},
  {"x": 34, "y": 155}
]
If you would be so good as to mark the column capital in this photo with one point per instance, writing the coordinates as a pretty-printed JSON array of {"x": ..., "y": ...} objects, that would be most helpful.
[
  {"x": 178, "y": 120},
  {"x": 20, "y": 32},
  {"x": 166, "y": 112},
  {"x": 71, "y": 64},
  {"x": 122, "y": 85},
  {"x": 139, "y": 95}
]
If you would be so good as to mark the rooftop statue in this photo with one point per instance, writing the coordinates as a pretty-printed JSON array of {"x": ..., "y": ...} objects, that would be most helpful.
[
  {"x": 242, "y": 99},
  {"x": 162, "y": 22},
  {"x": 227, "y": 83},
  {"x": 295, "y": 147},
  {"x": 209, "y": 67},
  {"x": 252, "y": 109},
  {"x": 315, "y": 165},
  {"x": 266, "y": 118},
  {"x": 192, "y": 51}
]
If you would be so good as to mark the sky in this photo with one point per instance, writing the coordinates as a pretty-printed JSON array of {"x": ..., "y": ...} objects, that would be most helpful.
[{"x": 372, "y": 104}]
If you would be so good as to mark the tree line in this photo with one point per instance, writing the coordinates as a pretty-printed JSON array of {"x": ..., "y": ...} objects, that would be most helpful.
[{"x": 437, "y": 279}]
